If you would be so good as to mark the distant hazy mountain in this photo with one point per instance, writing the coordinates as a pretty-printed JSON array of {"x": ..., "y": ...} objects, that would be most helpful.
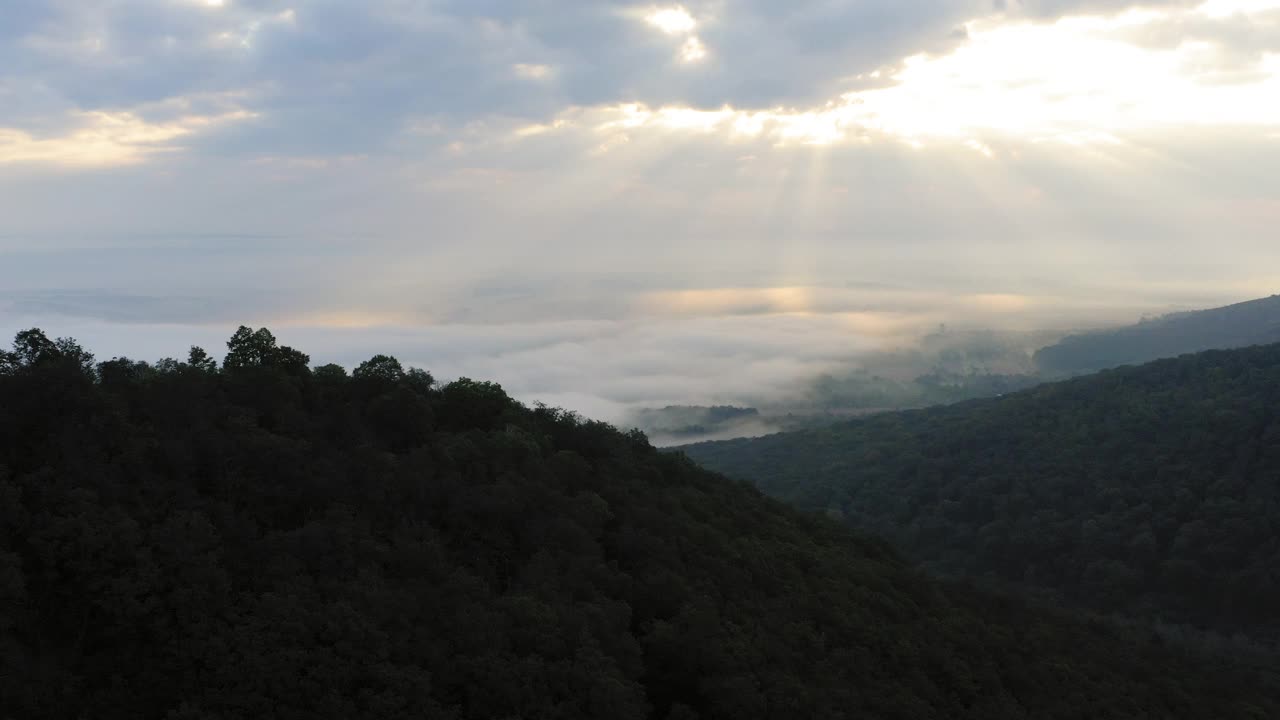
[
  {"x": 1256, "y": 322},
  {"x": 944, "y": 367},
  {"x": 1147, "y": 491},
  {"x": 692, "y": 423}
]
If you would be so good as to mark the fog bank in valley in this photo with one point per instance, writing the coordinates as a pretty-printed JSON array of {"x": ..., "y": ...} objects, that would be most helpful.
[{"x": 798, "y": 352}]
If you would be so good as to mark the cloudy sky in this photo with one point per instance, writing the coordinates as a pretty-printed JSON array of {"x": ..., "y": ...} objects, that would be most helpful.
[{"x": 607, "y": 203}]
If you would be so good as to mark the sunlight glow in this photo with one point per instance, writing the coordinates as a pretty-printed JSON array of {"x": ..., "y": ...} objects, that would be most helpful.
[
  {"x": 244, "y": 36},
  {"x": 1083, "y": 80},
  {"x": 531, "y": 71},
  {"x": 782, "y": 126},
  {"x": 693, "y": 50},
  {"x": 731, "y": 301},
  {"x": 347, "y": 319},
  {"x": 1064, "y": 78},
  {"x": 1000, "y": 302},
  {"x": 980, "y": 148},
  {"x": 672, "y": 21},
  {"x": 833, "y": 301},
  {"x": 105, "y": 139},
  {"x": 1225, "y": 8},
  {"x": 676, "y": 21}
]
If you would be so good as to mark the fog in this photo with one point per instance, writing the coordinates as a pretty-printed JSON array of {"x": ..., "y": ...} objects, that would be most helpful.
[{"x": 644, "y": 349}]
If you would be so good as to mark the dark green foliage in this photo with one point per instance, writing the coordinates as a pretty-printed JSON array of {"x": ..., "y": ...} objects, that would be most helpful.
[
  {"x": 470, "y": 404},
  {"x": 1250, "y": 323},
  {"x": 259, "y": 542},
  {"x": 1153, "y": 492},
  {"x": 330, "y": 374},
  {"x": 249, "y": 348},
  {"x": 862, "y": 390},
  {"x": 382, "y": 369},
  {"x": 33, "y": 349},
  {"x": 200, "y": 360}
]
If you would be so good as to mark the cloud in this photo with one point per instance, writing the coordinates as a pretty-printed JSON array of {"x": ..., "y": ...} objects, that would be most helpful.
[
  {"x": 331, "y": 76},
  {"x": 608, "y": 205},
  {"x": 1224, "y": 42},
  {"x": 1079, "y": 81},
  {"x": 105, "y": 139}
]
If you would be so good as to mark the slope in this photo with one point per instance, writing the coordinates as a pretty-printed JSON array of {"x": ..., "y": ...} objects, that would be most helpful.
[
  {"x": 266, "y": 540},
  {"x": 1149, "y": 491},
  {"x": 1255, "y": 322}
]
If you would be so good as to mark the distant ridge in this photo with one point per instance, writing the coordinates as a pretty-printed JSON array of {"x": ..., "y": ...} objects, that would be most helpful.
[
  {"x": 1255, "y": 322},
  {"x": 1149, "y": 492}
]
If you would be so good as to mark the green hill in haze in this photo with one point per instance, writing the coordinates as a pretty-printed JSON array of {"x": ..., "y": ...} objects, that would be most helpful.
[
  {"x": 269, "y": 540},
  {"x": 1256, "y": 322},
  {"x": 1151, "y": 491}
]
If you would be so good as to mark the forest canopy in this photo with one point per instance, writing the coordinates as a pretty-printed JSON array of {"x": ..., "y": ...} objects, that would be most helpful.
[
  {"x": 264, "y": 539},
  {"x": 1150, "y": 492}
]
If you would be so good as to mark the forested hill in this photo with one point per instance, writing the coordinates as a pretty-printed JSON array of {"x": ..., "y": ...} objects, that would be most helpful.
[
  {"x": 1151, "y": 491},
  {"x": 1255, "y": 322},
  {"x": 266, "y": 540}
]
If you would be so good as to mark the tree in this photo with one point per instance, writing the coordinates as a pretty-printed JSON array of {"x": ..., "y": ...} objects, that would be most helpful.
[
  {"x": 257, "y": 348},
  {"x": 293, "y": 362},
  {"x": 122, "y": 372},
  {"x": 382, "y": 369},
  {"x": 420, "y": 380},
  {"x": 33, "y": 348},
  {"x": 248, "y": 348},
  {"x": 332, "y": 374},
  {"x": 474, "y": 403},
  {"x": 201, "y": 360}
]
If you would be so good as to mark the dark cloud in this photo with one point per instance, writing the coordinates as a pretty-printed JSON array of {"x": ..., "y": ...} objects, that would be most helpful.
[{"x": 332, "y": 76}]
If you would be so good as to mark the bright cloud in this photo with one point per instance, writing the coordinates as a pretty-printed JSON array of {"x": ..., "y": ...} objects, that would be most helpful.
[
  {"x": 693, "y": 50},
  {"x": 677, "y": 22},
  {"x": 1060, "y": 79},
  {"x": 1078, "y": 80},
  {"x": 104, "y": 139},
  {"x": 1225, "y": 8},
  {"x": 672, "y": 21}
]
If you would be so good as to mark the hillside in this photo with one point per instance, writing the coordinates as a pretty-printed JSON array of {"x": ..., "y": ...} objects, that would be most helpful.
[
  {"x": 267, "y": 540},
  {"x": 1148, "y": 491},
  {"x": 941, "y": 367},
  {"x": 1256, "y": 322}
]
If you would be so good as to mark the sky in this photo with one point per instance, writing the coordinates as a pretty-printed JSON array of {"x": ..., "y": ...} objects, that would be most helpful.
[{"x": 608, "y": 204}]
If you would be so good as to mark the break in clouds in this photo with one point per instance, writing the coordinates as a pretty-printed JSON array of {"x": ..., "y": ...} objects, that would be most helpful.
[{"x": 617, "y": 205}]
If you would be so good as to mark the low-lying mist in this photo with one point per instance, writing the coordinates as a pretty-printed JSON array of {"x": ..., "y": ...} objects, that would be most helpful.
[
  {"x": 941, "y": 366},
  {"x": 682, "y": 365}
]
